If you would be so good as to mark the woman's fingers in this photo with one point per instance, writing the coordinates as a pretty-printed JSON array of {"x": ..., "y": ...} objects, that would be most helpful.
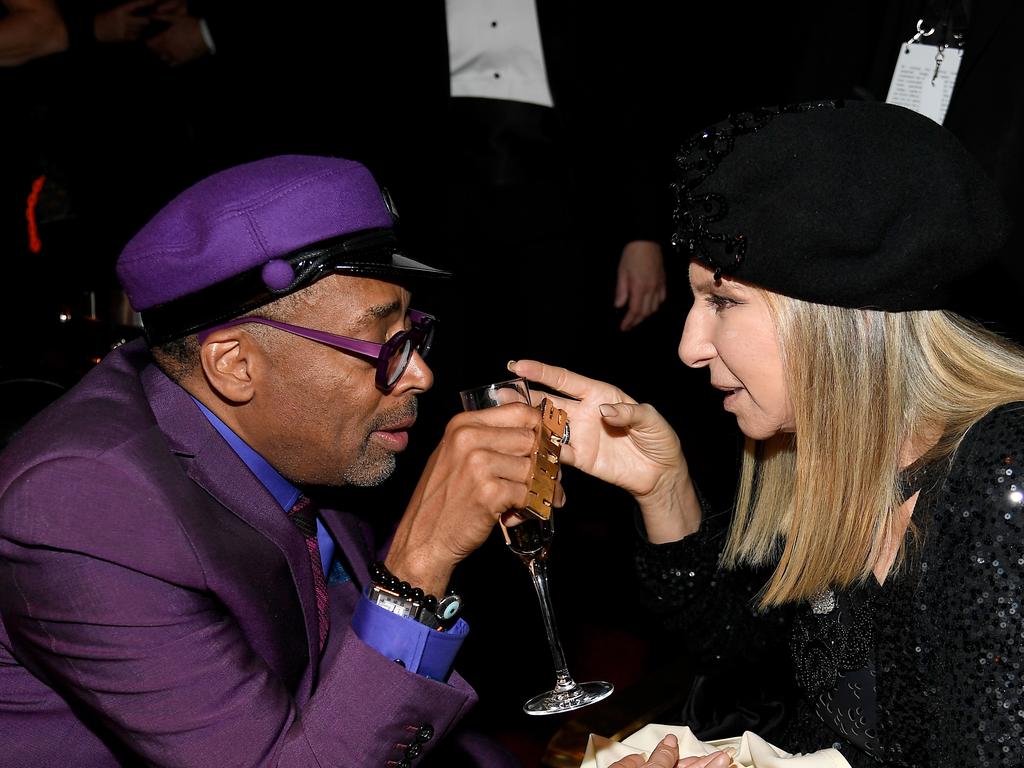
[
  {"x": 635, "y": 416},
  {"x": 666, "y": 754},
  {"x": 630, "y": 761},
  {"x": 560, "y": 379},
  {"x": 714, "y": 760}
]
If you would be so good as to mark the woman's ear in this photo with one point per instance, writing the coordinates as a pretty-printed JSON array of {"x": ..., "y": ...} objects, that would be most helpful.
[{"x": 231, "y": 361}]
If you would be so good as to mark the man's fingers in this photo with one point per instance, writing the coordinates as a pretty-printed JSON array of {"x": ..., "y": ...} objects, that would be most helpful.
[
  {"x": 486, "y": 464},
  {"x": 511, "y": 441},
  {"x": 508, "y": 415}
]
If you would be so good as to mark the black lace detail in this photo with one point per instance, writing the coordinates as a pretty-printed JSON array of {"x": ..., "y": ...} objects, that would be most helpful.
[
  {"x": 825, "y": 646},
  {"x": 694, "y": 211}
]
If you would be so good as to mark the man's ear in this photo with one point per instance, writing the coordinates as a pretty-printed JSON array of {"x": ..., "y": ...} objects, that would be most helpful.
[{"x": 232, "y": 361}]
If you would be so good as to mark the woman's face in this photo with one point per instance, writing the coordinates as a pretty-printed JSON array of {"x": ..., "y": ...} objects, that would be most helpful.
[{"x": 729, "y": 330}]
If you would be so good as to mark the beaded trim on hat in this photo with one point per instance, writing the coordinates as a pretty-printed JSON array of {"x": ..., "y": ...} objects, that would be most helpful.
[{"x": 694, "y": 211}]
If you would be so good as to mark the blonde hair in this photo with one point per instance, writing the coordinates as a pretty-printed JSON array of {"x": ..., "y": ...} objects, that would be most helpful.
[{"x": 823, "y": 501}]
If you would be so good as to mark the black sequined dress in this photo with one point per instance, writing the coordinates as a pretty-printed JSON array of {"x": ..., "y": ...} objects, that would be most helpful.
[{"x": 924, "y": 670}]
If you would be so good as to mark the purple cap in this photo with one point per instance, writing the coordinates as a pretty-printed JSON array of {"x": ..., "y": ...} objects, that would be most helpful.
[{"x": 250, "y": 234}]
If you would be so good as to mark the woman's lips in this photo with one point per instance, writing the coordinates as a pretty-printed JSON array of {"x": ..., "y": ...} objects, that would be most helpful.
[{"x": 731, "y": 393}]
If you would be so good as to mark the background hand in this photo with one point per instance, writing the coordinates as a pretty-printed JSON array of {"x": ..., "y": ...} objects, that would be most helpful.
[
  {"x": 181, "y": 41},
  {"x": 640, "y": 286}
]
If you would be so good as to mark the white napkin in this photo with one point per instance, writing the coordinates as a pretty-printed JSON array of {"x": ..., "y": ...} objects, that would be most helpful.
[{"x": 751, "y": 751}]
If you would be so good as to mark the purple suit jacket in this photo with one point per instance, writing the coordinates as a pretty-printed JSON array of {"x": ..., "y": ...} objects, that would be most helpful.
[{"x": 157, "y": 607}]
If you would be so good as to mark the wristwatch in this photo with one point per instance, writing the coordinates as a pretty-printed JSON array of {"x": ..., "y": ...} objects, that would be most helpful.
[{"x": 403, "y": 599}]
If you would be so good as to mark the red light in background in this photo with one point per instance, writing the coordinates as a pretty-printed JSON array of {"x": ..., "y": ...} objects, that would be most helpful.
[{"x": 34, "y": 243}]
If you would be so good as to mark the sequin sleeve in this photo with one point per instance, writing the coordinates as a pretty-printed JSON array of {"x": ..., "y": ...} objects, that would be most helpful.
[
  {"x": 972, "y": 588},
  {"x": 711, "y": 609}
]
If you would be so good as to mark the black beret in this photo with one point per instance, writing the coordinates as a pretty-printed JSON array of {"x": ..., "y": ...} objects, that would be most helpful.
[{"x": 852, "y": 204}]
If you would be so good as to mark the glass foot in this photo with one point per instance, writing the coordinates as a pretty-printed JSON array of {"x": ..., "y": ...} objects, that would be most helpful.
[{"x": 580, "y": 695}]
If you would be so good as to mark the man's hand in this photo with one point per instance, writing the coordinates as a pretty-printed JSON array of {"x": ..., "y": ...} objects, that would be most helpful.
[
  {"x": 641, "y": 282},
  {"x": 478, "y": 472}
]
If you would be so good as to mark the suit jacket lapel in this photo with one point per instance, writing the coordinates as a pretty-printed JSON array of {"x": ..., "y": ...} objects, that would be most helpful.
[{"x": 216, "y": 468}]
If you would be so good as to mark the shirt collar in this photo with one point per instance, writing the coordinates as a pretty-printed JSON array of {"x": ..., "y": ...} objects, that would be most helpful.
[{"x": 283, "y": 491}]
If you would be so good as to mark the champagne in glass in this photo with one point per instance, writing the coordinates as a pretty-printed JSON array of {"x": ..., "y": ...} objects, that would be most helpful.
[{"x": 531, "y": 541}]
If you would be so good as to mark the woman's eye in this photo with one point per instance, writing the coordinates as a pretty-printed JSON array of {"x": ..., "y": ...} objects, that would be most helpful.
[{"x": 719, "y": 302}]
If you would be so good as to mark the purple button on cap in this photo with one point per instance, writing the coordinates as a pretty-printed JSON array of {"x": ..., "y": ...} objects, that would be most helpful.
[{"x": 277, "y": 274}]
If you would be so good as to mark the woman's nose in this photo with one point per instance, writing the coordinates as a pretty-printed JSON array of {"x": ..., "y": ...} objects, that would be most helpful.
[{"x": 695, "y": 347}]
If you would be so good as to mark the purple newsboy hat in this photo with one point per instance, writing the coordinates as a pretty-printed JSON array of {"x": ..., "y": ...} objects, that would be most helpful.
[{"x": 251, "y": 234}]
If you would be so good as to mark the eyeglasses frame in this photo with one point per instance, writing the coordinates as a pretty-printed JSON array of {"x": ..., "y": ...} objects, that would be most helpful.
[{"x": 420, "y": 337}]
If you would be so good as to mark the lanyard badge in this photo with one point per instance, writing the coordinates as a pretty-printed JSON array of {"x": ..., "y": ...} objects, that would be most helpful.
[{"x": 925, "y": 73}]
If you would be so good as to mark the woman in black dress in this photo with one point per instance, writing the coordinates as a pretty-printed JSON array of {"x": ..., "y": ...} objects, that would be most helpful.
[{"x": 879, "y": 508}]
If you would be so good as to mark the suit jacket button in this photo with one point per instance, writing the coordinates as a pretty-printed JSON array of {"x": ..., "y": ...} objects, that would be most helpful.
[
  {"x": 413, "y": 751},
  {"x": 425, "y": 733}
]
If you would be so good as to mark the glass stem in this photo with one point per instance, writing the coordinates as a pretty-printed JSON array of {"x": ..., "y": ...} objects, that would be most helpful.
[{"x": 539, "y": 571}]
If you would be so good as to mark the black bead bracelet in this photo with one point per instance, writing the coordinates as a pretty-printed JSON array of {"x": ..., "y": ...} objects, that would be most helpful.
[{"x": 380, "y": 574}]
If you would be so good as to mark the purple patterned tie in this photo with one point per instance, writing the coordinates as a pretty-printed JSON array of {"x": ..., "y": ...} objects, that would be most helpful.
[{"x": 304, "y": 517}]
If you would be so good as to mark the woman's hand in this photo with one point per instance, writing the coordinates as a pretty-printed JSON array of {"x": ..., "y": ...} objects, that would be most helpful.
[
  {"x": 622, "y": 442},
  {"x": 714, "y": 760},
  {"x": 666, "y": 755}
]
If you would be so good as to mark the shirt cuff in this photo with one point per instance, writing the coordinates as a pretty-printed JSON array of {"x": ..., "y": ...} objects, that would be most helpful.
[{"x": 419, "y": 648}]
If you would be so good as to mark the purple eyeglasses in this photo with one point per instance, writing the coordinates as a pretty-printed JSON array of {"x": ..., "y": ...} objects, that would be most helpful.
[{"x": 392, "y": 357}]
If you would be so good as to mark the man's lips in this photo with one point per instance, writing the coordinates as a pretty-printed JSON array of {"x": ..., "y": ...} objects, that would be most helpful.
[
  {"x": 394, "y": 436},
  {"x": 401, "y": 426}
]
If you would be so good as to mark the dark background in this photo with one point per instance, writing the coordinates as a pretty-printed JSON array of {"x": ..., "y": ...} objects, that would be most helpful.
[{"x": 117, "y": 133}]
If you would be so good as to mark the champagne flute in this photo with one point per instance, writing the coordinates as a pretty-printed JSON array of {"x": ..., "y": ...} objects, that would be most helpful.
[{"x": 531, "y": 541}]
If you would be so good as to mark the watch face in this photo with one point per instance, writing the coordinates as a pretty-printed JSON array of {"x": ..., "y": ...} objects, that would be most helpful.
[
  {"x": 396, "y": 605},
  {"x": 449, "y": 607}
]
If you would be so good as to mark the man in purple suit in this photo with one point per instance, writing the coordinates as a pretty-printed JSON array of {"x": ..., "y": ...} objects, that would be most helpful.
[{"x": 171, "y": 593}]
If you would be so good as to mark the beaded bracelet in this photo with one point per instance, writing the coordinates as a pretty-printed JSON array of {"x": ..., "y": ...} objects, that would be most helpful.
[{"x": 380, "y": 574}]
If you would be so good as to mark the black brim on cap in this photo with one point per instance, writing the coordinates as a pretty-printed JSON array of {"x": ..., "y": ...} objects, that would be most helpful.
[{"x": 371, "y": 253}]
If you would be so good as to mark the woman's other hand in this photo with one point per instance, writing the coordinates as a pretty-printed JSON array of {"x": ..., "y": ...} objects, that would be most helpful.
[
  {"x": 622, "y": 442},
  {"x": 665, "y": 755},
  {"x": 714, "y": 760}
]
